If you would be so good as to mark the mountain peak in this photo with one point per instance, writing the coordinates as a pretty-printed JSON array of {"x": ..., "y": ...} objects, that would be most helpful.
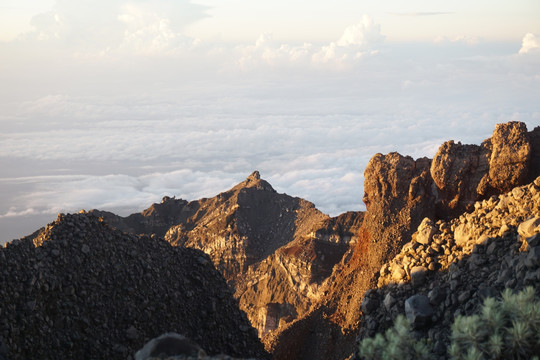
[
  {"x": 254, "y": 176},
  {"x": 254, "y": 181}
]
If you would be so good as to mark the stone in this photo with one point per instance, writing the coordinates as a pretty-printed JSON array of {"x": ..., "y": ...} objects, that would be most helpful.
[
  {"x": 518, "y": 193},
  {"x": 464, "y": 296},
  {"x": 462, "y": 234},
  {"x": 85, "y": 249},
  {"x": 418, "y": 275},
  {"x": 529, "y": 227},
  {"x": 436, "y": 295},
  {"x": 534, "y": 240},
  {"x": 504, "y": 230},
  {"x": 533, "y": 258},
  {"x": 132, "y": 333},
  {"x": 169, "y": 344},
  {"x": 510, "y": 155},
  {"x": 389, "y": 301},
  {"x": 418, "y": 311},
  {"x": 425, "y": 232},
  {"x": 369, "y": 305},
  {"x": 398, "y": 273}
]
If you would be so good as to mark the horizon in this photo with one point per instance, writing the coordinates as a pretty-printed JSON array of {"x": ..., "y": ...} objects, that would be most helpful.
[{"x": 115, "y": 105}]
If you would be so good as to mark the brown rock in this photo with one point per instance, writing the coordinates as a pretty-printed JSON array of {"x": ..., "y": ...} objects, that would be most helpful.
[
  {"x": 510, "y": 156},
  {"x": 460, "y": 173},
  {"x": 464, "y": 174}
]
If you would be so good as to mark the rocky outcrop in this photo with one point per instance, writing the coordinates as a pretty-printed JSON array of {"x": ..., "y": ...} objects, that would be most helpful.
[
  {"x": 466, "y": 259},
  {"x": 82, "y": 290},
  {"x": 464, "y": 174},
  {"x": 400, "y": 193}
]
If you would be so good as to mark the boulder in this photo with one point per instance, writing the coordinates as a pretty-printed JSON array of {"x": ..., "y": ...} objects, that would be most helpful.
[
  {"x": 534, "y": 240},
  {"x": 426, "y": 230},
  {"x": 167, "y": 345},
  {"x": 418, "y": 275},
  {"x": 418, "y": 311},
  {"x": 530, "y": 227},
  {"x": 510, "y": 156}
]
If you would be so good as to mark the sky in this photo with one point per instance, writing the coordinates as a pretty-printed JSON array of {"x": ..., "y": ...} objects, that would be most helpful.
[{"x": 115, "y": 104}]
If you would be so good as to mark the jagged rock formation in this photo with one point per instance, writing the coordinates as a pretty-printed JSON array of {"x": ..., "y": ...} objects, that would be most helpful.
[
  {"x": 461, "y": 262},
  {"x": 157, "y": 219},
  {"x": 82, "y": 290},
  {"x": 244, "y": 225},
  {"x": 289, "y": 282},
  {"x": 464, "y": 174},
  {"x": 275, "y": 250},
  {"x": 399, "y": 193}
]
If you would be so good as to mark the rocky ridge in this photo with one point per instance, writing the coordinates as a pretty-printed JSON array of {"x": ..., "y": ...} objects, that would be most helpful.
[
  {"x": 81, "y": 289},
  {"x": 399, "y": 193},
  {"x": 449, "y": 267}
]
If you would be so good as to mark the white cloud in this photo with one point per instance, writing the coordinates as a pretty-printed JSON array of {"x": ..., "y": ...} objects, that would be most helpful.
[
  {"x": 364, "y": 34},
  {"x": 529, "y": 44},
  {"x": 106, "y": 27},
  {"x": 465, "y": 39},
  {"x": 357, "y": 41},
  {"x": 12, "y": 212}
]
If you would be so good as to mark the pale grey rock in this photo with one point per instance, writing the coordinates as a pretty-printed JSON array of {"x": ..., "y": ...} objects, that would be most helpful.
[
  {"x": 169, "y": 344},
  {"x": 530, "y": 227}
]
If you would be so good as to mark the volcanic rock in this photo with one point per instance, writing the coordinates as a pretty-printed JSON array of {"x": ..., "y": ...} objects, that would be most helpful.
[{"x": 82, "y": 290}]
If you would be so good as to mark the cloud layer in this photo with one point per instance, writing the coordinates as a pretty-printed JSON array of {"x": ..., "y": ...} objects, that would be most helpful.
[{"x": 120, "y": 112}]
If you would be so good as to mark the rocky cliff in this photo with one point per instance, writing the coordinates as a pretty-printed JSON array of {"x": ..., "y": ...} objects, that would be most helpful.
[
  {"x": 82, "y": 290},
  {"x": 399, "y": 193},
  {"x": 452, "y": 266}
]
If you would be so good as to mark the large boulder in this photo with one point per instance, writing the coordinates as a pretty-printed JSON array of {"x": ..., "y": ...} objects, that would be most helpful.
[
  {"x": 418, "y": 311},
  {"x": 510, "y": 156}
]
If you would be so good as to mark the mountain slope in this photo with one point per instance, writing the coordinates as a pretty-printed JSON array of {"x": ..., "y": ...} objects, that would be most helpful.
[{"x": 82, "y": 290}]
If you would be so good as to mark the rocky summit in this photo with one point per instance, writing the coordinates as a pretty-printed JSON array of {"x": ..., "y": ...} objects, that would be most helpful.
[{"x": 82, "y": 290}]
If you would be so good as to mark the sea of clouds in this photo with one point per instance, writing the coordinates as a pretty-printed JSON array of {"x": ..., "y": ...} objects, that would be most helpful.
[{"x": 117, "y": 122}]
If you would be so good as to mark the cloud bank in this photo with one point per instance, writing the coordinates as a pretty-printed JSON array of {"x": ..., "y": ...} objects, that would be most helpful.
[{"x": 117, "y": 119}]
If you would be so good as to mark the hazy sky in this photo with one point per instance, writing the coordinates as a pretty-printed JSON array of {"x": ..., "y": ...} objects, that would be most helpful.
[{"x": 114, "y": 104}]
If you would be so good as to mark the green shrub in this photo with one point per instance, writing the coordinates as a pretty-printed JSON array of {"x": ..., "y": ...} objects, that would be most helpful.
[
  {"x": 396, "y": 344},
  {"x": 504, "y": 329}
]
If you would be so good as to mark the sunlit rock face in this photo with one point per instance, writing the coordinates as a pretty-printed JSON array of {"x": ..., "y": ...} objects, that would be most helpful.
[
  {"x": 464, "y": 174},
  {"x": 400, "y": 193}
]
